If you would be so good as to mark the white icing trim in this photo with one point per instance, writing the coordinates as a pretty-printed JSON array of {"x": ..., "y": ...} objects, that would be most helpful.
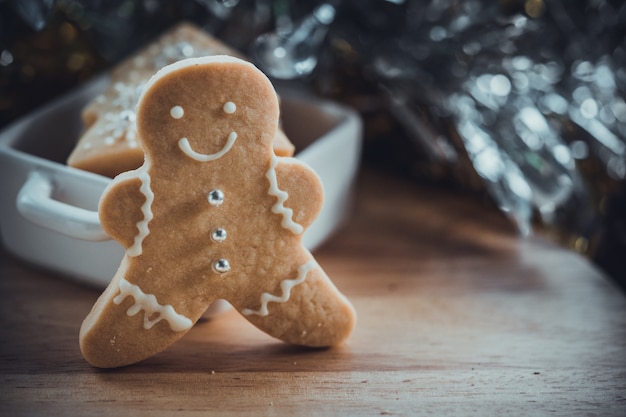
[
  {"x": 150, "y": 305},
  {"x": 282, "y": 196},
  {"x": 146, "y": 209},
  {"x": 285, "y": 285},
  {"x": 184, "y": 146}
]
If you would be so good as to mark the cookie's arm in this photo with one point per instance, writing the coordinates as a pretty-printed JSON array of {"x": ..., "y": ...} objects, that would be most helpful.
[
  {"x": 120, "y": 208},
  {"x": 305, "y": 194}
]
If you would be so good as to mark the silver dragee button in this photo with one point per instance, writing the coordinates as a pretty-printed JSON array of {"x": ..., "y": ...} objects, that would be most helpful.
[
  {"x": 216, "y": 197},
  {"x": 221, "y": 266},
  {"x": 218, "y": 235}
]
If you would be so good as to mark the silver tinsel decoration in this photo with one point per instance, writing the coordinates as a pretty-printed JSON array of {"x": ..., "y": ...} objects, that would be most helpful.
[{"x": 523, "y": 99}]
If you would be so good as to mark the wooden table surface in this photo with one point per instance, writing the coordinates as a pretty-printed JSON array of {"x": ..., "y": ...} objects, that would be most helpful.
[{"x": 457, "y": 316}]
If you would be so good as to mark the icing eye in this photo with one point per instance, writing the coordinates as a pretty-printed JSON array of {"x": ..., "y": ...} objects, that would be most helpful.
[
  {"x": 230, "y": 107},
  {"x": 221, "y": 266},
  {"x": 177, "y": 112},
  {"x": 218, "y": 235},
  {"x": 216, "y": 197}
]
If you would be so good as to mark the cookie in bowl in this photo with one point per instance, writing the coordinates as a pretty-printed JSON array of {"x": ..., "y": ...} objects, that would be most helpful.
[{"x": 109, "y": 144}]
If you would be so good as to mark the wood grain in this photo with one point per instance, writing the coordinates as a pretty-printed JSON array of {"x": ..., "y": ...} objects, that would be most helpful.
[{"x": 457, "y": 316}]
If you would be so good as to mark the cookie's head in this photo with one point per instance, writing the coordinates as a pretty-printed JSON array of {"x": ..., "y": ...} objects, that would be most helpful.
[{"x": 206, "y": 107}]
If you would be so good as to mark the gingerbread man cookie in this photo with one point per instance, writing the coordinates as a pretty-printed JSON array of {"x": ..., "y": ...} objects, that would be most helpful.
[
  {"x": 110, "y": 144},
  {"x": 212, "y": 214}
]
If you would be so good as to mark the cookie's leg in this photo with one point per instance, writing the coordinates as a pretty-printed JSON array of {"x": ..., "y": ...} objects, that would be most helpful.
[
  {"x": 306, "y": 309},
  {"x": 126, "y": 325}
]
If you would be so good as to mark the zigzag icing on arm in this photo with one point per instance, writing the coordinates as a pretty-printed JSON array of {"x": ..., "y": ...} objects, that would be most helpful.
[
  {"x": 151, "y": 307},
  {"x": 281, "y": 196},
  {"x": 285, "y": 285},
  {"x": 146, "y": 209}
]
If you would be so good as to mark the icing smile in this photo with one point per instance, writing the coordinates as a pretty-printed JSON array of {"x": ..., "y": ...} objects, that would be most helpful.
[{"x": 184, "y": 146}]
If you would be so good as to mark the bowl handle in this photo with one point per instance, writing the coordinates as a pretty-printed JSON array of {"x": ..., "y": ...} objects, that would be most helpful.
[{"x": 35, "y": 203}]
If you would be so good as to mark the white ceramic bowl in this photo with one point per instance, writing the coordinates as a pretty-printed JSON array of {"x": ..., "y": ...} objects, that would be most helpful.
[{"x": 48, "y": 211}]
